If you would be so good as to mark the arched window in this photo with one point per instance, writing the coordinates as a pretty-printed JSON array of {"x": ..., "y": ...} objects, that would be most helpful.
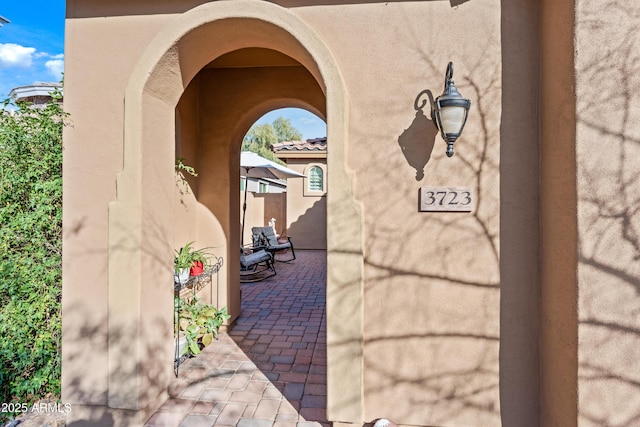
[{"x": 316, "y": 179}]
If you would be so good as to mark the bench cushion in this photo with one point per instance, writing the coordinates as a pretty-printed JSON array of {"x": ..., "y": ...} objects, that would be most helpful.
[{"x": 254, "y": 258}]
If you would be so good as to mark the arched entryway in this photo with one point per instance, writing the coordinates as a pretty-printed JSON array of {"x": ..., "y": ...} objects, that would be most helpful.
[
  {"x": 216, "y": 110},
  {"x": 142, "y": 214}
]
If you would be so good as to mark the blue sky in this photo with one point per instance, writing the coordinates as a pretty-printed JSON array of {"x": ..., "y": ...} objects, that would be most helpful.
[
  {"x": 32, "y": 44},
  {"x": 309, "y": 124},
  {"x": 32, "y": 49}
]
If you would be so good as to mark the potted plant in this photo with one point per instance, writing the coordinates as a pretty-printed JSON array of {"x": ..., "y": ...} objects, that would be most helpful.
[
  {"x": 199, "y": 261},
  {"x": 182, "y": 264},
  {"x": 190, "y": 262}
]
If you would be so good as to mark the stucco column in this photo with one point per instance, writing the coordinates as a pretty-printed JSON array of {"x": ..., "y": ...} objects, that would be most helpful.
[{"x": 558, "y": 222}]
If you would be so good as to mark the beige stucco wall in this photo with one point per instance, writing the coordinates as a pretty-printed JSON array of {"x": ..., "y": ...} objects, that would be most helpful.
[
  {"x": 193, "y": 221},
  {"x": 306, "y": 212},
  {"x": 522, "y": 312},
  {"x": 431, "y": 291},
  {"x": 608, "y": 161},
  {"x": 410, "y": 351},
  {"x": 89, "y": 187},
  {"x": 139, "y": 231},
  {"x": 261, "y": 207}
]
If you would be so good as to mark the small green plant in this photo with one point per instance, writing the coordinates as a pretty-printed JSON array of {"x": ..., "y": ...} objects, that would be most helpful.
[
  {"x": 201, "y": 255},
  {"x": 181, "y": 169},
  {"x": 187, "y": 257},
  {"x": 183, "y": 258},
  {"x": 200, "y": 323}
]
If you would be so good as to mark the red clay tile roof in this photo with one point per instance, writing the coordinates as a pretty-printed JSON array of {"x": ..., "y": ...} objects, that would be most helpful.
[{"x": 316, "y": 144}]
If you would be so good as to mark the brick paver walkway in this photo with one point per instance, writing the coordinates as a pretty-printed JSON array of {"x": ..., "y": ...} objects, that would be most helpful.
[{"x": 270, "y": 369}]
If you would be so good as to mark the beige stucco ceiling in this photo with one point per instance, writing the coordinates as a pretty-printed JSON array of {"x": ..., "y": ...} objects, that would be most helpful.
[{"x": 253, "y": 57}]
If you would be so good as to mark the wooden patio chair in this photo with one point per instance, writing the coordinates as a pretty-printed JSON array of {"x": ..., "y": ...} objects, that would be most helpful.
[
  {"x": 255, "y": 262},
  {"x": 265, "y": 238}
]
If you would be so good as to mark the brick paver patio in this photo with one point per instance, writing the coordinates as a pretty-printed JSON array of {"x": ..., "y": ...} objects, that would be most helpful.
[{"x": 270, "y": 369}]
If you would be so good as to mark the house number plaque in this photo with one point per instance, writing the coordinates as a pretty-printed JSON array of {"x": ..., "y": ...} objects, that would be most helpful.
[{"x": 446, "y": 199}]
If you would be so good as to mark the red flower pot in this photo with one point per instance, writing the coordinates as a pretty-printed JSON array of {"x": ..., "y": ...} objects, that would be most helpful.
[{"x": 196, "y": 268}]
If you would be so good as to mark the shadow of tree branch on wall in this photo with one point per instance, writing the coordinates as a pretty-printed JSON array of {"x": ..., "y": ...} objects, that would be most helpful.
[
  {"x": 432, "y": 281},
  {"x": 82, "y": 389},
  {"x": 111, "y": 357},
  {"x": 609, "y": 215}
]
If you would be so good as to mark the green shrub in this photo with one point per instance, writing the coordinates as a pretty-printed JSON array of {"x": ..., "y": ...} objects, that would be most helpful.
[
  {"x": 200, "y": 323},
  {"x": 30, "y": 251}
]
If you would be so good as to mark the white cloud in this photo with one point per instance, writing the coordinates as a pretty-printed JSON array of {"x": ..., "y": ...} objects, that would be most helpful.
[
  {"x": 55, "y": 67},
  {"x": 14, "y": 55}
]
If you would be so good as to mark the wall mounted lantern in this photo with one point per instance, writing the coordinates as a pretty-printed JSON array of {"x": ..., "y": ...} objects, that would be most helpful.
[{"x": 449, "y": 111}]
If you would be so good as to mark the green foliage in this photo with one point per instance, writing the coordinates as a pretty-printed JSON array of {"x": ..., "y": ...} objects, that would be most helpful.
[
  {"x": 30, "y": 251},
  {"x": 201, "y": 255},
  {"x": 186, "y": 256},
  {"x": 183, "y": 258},
  {"x": 181, "y": 169},
  {"x": 285, "y": 130},
  {"x": 200, "y": 323},
  {"x": 260, "y": 137}
]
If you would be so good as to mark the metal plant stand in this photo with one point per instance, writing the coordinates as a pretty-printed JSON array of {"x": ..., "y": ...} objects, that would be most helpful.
[{"x": 191, "y": 287}]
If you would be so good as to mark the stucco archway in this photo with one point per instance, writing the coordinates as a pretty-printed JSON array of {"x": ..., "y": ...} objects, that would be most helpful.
[{"x": 141, "y": 226}]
